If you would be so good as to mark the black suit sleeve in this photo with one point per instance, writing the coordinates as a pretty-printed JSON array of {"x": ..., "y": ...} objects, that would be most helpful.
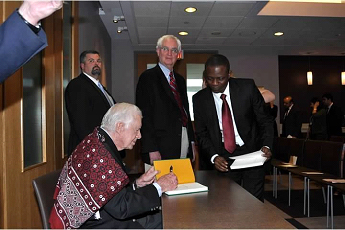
[
  {"x": 18, "y": 43},
  {"x": 130, "y": 203},
  {"x": 263, "y": 119},
  {"x": 203, "y": 127},
  {"x": 145, "y": 101},
  {"x": 79, "y": 109},
  {"x": 297, "y": 119}
]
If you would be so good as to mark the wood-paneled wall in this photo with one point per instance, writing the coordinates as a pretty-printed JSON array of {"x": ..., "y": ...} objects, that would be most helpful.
[
  {"x": 326, "y": 78},
  {"x": 18, "y": 206}
]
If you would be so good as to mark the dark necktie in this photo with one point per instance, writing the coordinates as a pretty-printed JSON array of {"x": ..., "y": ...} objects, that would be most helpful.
[
  {"x": 177, "y": 96},
  {"x": 228, "y": 127}
]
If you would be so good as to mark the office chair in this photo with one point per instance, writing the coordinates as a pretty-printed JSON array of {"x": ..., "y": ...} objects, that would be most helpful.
[{"x": 44, "y": 187}]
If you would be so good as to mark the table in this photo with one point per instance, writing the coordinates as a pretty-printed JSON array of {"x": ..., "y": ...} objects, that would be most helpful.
[{"x": 225, "y": 205}]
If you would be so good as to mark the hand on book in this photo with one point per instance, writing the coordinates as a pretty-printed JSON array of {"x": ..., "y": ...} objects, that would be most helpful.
[
  {"x": 168, "y": 182},
  {"x": 266, "y": 152},
  {"x": 147, "y": 178}
]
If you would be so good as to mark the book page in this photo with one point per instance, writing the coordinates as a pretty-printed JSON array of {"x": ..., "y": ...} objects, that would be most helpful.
[{"x": 188, "y": 188}]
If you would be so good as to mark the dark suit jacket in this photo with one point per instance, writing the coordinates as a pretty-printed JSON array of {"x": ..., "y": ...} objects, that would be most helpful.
[
  {"x": 292, "y": 123},
  {"x": 254, "y": 124},
  {"x": 161, "y": 124},
  {"x": 86, "y": 105},
  {"x": 127, "y": 205},
  {"x": 334, "y": 121},
  {"x": 18, "y": 43}
]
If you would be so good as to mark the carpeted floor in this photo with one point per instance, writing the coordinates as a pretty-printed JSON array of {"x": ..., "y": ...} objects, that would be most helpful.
[
  {"x": 317, "y": 206},
  {"x": 294, "y": 213}
]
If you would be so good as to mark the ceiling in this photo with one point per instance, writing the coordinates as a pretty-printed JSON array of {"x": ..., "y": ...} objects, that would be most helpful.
[{"x": 229, "y": 24}]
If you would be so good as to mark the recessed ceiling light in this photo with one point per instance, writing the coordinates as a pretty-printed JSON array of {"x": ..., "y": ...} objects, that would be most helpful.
[
  {"x": 190, "y": 9},
  {"x": 183, "y": 33},
  {"x": 278, "y": 34}
]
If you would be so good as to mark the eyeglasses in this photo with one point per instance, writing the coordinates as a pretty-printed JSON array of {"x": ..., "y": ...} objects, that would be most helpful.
[{"x": 166, "y": 50}]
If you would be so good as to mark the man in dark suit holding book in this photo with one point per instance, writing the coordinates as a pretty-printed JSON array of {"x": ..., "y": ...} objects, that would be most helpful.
[{"x": 231, "y": 120}]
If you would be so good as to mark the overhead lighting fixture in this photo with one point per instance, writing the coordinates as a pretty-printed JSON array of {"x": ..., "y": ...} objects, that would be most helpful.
[
  {"x": 278, "y": 34},
  {"x": 309, "y": 75},
  {"x": 120, "y": 29},
  {"x": 118, "y": 18},
  {"x": 183, "y": 33},
  {"x": 190, "y": 9}
]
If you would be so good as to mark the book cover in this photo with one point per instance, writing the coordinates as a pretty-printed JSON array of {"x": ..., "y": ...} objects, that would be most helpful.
[{"x": 182, "y": 168}]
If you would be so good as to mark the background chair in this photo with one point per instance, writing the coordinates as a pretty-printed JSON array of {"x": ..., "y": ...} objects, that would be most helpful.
[{"x": 44, "y": 187}]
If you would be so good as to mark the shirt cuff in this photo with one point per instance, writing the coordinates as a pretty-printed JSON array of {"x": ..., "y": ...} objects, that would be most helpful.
[
  {"x": 213, "y": 157},
  {"x": 159, "y": 189}
]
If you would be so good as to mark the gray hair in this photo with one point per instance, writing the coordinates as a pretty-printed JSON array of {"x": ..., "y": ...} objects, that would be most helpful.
[
  {"x": 120, "y": 113},
  {"x": 161, "y": 40}
]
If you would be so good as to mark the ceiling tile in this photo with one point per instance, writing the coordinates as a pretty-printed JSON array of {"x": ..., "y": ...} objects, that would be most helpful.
[
  {"x": 144, "y": 8},
  {"x": 227, "y": 9},
  {"x": 152, "y": 21},
  {"x": 187, "y": 22},
  {"x": 223, "y": 22}
]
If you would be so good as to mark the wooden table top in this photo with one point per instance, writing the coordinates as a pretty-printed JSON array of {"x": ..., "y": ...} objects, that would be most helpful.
[{"x": 225, "y": 205}]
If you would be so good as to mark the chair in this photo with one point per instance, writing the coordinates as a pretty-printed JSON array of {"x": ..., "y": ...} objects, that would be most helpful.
[{"x": 44, "y": 187}]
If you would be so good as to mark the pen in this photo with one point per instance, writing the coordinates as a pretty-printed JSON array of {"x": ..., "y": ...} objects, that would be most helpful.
[{"x": 171, "y": 168}]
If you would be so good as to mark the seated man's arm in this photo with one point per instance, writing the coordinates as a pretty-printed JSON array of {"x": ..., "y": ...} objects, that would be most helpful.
[{"x": 129, "y": 203}]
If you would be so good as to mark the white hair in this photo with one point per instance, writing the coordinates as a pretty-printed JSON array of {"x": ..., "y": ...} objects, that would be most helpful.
[
  {"x": 120, "y": 113},
  {"x": 161, "y": 40}
]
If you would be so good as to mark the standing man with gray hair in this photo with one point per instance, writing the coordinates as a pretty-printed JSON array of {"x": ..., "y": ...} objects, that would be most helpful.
[
  {"x": 162, "y": 96},
  {"x": 86, "y": 99}
]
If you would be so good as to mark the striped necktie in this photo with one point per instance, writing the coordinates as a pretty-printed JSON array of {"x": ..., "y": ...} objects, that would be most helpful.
[{"x": 177, "y": 96}]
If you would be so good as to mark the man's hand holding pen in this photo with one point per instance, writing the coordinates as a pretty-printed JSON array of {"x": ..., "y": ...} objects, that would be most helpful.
[{"x": 167, "y": 182}]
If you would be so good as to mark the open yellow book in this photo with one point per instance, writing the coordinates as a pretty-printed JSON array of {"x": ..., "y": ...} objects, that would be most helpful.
[{"x": 182, "y": 168}]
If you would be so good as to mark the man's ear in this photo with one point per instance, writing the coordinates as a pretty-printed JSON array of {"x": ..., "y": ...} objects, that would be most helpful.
[
  {"x": 82, "y": 66},
  {"x": 119, "y": 127}
]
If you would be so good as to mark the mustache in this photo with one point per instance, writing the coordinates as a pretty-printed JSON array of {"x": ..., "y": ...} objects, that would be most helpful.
[{"x": 96, "y": 70}]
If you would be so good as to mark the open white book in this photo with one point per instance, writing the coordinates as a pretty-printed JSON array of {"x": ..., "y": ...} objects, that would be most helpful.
[
  {"x": 248, "y": 160},
  {"x": 188, "y": 188},
  {"x": 183, "y": 170}
]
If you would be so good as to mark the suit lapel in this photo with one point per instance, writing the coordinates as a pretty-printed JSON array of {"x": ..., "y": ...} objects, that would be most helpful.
[
  {"x": 92, "y": 84},
  {"x": 210, "y": 104},
  {"x": 235, "y": 104}
]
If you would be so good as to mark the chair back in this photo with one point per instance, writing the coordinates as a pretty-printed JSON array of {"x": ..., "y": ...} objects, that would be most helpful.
[
  {"x": 281, "y": 148},
  {"x": 44, "y": 187},
  {"x": 312, "y": 154},
  {"x": 337, "y": 139},
  {"x": 296, "y": 149},
  {"x": 332, "y": 157}
]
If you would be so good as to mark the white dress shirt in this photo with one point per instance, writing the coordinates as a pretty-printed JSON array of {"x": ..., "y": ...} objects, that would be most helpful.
[{"x": 108, "y": 97}]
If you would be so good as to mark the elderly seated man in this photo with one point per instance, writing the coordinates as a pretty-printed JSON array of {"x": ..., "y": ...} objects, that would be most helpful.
[{"x": 93, "y": 190}]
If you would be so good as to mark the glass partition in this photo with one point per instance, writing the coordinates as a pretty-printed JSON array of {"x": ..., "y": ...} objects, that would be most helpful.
[{"x": 32, "y": 111}]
